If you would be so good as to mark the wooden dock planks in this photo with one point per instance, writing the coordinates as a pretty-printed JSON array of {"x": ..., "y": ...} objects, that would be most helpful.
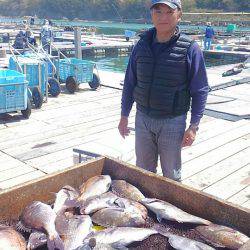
[
  {"x": 233, "y": 183},
  {"x": 209, "y": 169},
  {"x": 242, "y": 197},
  {"x": 21, "y": 179},
  {"x": 89, "y": 119}
]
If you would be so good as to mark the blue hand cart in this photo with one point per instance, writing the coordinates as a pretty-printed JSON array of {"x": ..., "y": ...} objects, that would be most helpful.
[
  {"x": 13, "y": 93},
  {"x": 129, "y": 34},
  {"x": 36, "y": 72},
  {"x": 54, "y": 88},
  {"x": 73, "y": 72}
]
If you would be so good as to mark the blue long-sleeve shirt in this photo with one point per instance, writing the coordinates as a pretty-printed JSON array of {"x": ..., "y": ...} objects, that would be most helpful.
[
  {"x": 209, "y": 33},
  {"x": 198, "y": 83}
]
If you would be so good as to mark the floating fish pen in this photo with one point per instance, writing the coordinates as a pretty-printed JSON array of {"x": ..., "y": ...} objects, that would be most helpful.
[
  {"x": 226, "y": 57},
  {"x": 107, "y": 51},
  {"x": 222, "y": 52},
  {"x": 92, "y": 51},
  {"x": 14, "y": 200}
]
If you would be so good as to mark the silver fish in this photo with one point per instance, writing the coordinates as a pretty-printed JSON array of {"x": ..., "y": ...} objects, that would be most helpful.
[
  {"x": 180, "y": 242},
  {"x": 41, "y": 217},
  {"x": 246, "y": 246},
  {"x": 66, "y": 197},
  {"x": 36, "y": 239},
  {"x": 93, "y": 245},
  {"x": 98, "y": 246},
  {"x": 10, "y": 239},
  {"x": 165, "y": 210},
  {"x": 96, "y": 185},
  {"x": 133, "y": 206},
  {"x": 73, "y": 229},
  {"x": 221, "y": 236},
  {"x": 126, "y": 190},
  {"x": 98, "y": 202},
  {"x": 117, "y": 217},
  {"x": 120, "y": 237},
  {"x": 106, "y": 247},
  {"x": 183, "y": 243}
]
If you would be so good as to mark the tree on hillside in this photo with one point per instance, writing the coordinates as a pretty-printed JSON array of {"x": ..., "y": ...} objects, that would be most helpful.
[
  {"x": 107, "y": 9},
  {"x": 188, "y": 5}
]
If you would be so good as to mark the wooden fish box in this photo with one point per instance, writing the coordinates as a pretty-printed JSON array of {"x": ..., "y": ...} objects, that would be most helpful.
[{"x": 12, "y": 201}]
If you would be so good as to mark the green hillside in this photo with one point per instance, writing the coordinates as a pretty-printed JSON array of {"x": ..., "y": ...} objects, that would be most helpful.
[{"x": 108, "y": 9}]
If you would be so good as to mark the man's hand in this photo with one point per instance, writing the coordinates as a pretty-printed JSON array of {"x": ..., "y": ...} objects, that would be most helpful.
[
  {"x": 189, "y": 137},
  {"x": 123, "y": 126}
]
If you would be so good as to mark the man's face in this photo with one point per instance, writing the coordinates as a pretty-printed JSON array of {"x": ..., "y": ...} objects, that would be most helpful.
[{"x": 164, "y": 18}]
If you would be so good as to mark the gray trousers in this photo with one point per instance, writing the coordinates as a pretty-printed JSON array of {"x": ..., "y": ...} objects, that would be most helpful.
[{"x": 159, "y": 137}]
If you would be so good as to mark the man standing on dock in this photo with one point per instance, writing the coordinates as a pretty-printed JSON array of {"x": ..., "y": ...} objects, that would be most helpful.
[
  {"x": 209, "y": 34},
  {"x": 165, "y": 72},
  {"x": 46, "y": 36}
]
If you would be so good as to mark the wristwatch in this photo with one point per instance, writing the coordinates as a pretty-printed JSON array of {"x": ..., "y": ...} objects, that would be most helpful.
[{"x": 194, "y": 127}]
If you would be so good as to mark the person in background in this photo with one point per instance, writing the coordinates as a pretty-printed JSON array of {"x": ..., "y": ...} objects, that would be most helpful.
[
  {"x": 20, "y": 40},
  {"x": 46, "y": 36},
  {"x": 165, "y": 74},
  {"x": 209, "y": 34},
  {"x": 6, "y": 37},
  {"x": 32, "y": 21},
  {"x": 30, "y": 37}
]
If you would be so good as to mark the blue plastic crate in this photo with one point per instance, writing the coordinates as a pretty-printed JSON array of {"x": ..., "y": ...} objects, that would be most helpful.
[
  {"x": 32, "y": 68},
  {"x": 13, "y": 91},
  {"x": 11, "y": 76},
  {"x": 50, "y": 69},
  {"x": 129, "y": 33},
  {"x": 82, "y": 70},
  {"x": 41, "y": 56}
]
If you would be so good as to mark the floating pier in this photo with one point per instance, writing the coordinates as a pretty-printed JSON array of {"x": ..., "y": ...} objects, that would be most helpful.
[
  {"x": 95, "y": 50},
  {"x": 88, "y": 120}
]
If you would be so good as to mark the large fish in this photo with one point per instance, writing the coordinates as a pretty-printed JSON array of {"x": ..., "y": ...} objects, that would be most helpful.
[
  {"x": 98, "y": 246},
  {"x": 41, "y": 217},
  {"x": 98, "y": 202},
  {"x": 36, "y": 239},
  {"x": 119, "y": 237},
  {"x": 117, "y": 217},
  {"x": 221, "y": 236},
  {"x": 183, "y": 243},
  {"x": 133, "y": 206},
  {"x": 180, "y": 242},
  {"x": 73, "y": 229},
  {"x": 96, "y": 185},
  {"x": 10, "y": 239},
  {"x": 126, "y": 190},
  {"x": 165, "y": 210},
  {"x": 93, "y": 245},
  {"x": 66, "y": 197},
  {"x": 246, "y": 246}
]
